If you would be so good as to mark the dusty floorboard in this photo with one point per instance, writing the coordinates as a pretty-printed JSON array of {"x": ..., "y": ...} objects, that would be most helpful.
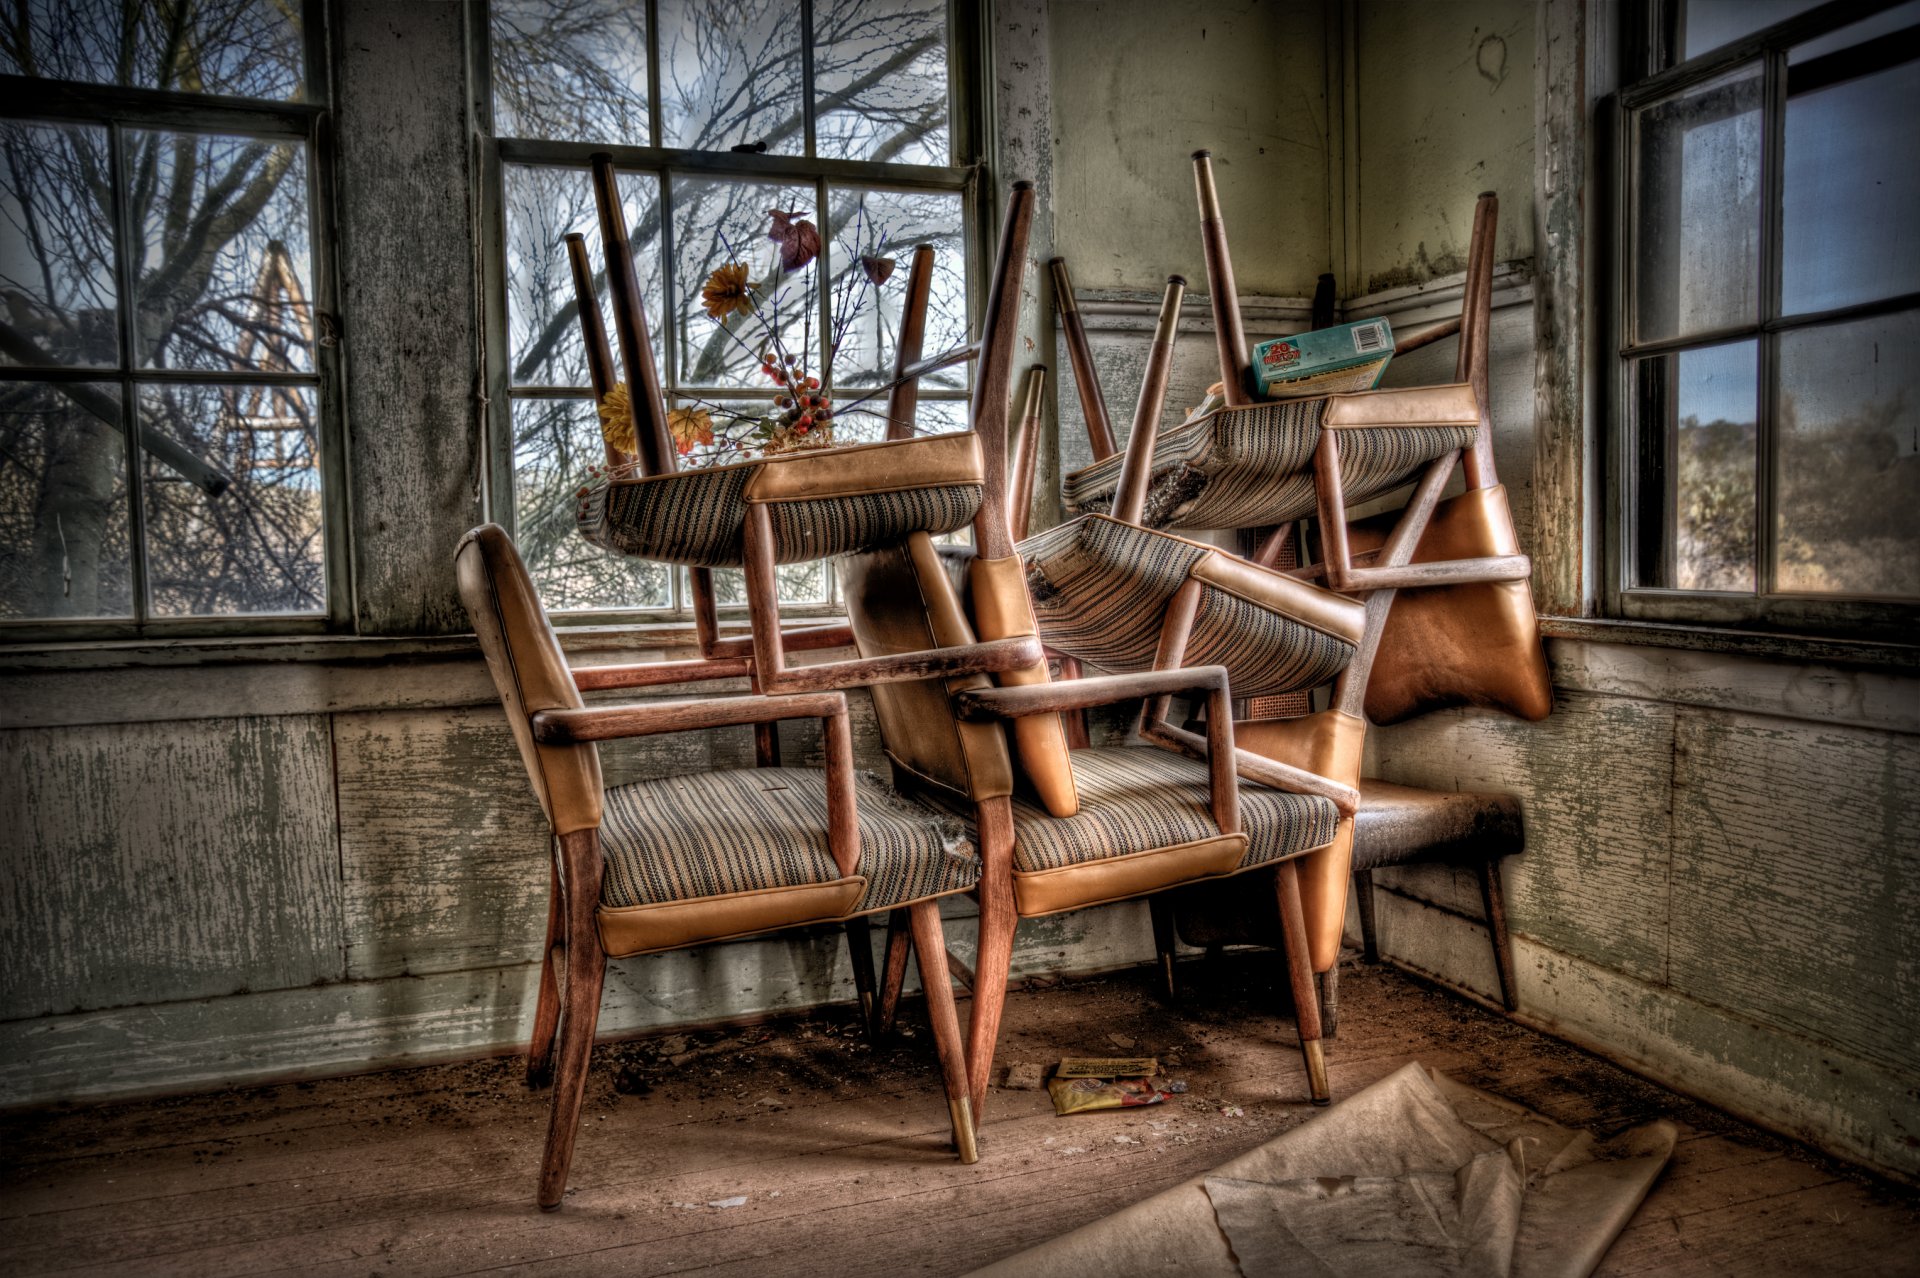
[{"x": 839, "y": 1149}]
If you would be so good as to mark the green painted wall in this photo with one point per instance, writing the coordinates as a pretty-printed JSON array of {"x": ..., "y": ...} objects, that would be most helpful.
[
  {"x": 1444, "y": 105},
  {"x": 1138, "y": 85}
]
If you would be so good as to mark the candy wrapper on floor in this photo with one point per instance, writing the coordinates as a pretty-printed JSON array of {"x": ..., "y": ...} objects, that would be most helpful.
[{"x": 1084, "y": 1083}]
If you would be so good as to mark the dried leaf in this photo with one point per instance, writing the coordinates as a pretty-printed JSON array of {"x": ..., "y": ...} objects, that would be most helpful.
[
  {"x": 726, "y": 291},
  {"x": 690, "y": 426},
  {"x": 799, "y": 240},
  {"x": 878, "y": 270},
  {"x": 616, "y": 419}
]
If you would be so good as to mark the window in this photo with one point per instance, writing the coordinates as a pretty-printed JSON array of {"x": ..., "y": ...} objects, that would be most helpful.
[
  {"x": 165, "y": 461},
  {"x": 848, "y": 112},
  {"x": 1770, "y": 391}
]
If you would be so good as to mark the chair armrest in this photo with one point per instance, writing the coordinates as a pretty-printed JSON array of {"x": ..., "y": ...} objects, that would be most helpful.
[
  {"x": 650, "y": 718},
  {"x": 1217, "y": 750},
  {"x": 1280, "y": 776},
  {"x": 1085, "y": 693}
]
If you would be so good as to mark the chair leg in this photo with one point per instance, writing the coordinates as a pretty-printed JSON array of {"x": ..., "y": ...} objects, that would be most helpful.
[
  {"x": 546, "y": 1009},
  {"x": 586, "y": 966},
  {"x": 1369, "y": 933},
  {"x": 1330, "y": 1000},
  {"x": 1306, "y": 1000},
  {"x": 1163, "y": 945},
  {"x": 894, "y": 974},
  {"x": 930, "y": 939},
  {"x": 992, "y": 959},
  {"x": 860, "y": 951},
  {"x": 1495, "y": 901}
]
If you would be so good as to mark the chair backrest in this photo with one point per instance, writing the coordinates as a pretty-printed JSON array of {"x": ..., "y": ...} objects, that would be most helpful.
[{"x": 524, "y": 658}]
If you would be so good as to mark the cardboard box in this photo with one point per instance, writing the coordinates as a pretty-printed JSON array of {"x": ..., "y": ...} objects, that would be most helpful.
[{"x": 1327, "y": 361}]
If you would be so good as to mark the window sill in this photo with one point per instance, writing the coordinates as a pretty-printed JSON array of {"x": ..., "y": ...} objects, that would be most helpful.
[
  {"x": 1875, "y": 654},
  {"x": 631, "y": 637}
]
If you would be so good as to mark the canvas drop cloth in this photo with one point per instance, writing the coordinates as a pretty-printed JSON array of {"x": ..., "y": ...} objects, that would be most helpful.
[{"x": 1416, "y": 1174}]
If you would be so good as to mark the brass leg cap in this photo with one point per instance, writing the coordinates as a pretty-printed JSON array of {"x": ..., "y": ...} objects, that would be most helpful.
[
  {"x": 964, "y": 1137},
  {"x": 1317, "y": 1072}
]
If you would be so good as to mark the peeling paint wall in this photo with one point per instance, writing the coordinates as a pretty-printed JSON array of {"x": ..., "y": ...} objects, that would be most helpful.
[
  {"x": 1138, "y": 87},
  {"x": 1443, "y": 95}
]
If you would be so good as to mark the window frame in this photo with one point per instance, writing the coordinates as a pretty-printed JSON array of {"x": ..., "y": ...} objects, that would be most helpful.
[
  {"x": 967, "y": 175},
  {"x": 1651, "y": 71},
  {"x": 117, "y": 109}
]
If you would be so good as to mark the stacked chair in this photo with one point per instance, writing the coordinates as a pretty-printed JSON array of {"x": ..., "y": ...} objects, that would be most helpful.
[{"x": 1465, "y": 633}]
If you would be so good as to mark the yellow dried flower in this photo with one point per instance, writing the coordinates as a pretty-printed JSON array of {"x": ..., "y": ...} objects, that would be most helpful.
[
  {"x": 690, "y": 426},
  {"x": 726, "y": 291},
  {"x": 616, "y": 420}
]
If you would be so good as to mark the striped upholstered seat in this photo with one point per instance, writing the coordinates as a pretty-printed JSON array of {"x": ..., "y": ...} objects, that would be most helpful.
[
  {"x": 823, "y": 503},
  {"x": 1101, "y": 588},
  {"x": 1253, "y": 466},
  {"x": 747, "y": 829},
  {"x": 1136, "y": 799}
]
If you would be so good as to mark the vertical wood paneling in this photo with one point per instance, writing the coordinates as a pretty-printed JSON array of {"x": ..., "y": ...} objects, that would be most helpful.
[
  {"x": 1796, "y": 877},
  {"x": 151, "y": 862},
  {"x": 407, "y": 213},
  {"x": 1593, "y": 781}
]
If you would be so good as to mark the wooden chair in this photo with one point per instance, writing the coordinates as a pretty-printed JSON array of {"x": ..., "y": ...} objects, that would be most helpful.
[
  {"x": 680, "y": 861},
  {"x": 1058, "y": 828}
]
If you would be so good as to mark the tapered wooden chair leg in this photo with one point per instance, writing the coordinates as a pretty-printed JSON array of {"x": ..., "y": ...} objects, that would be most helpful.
[
  {"x": 1369, "y": 930},
  {"x": 860, "y": 951},
  {"x": 1306, "y": 1000},
  {"x": 894, "y": 974},
  {"x": 929, "y": 938},
  {"x": 1163, "y": 943},
  {"x": 995, "y": 955},
  {"x": 1495, "y": 902},
  {"x": 585, "y": 972},
  {"x": 546, "y": 1008}
]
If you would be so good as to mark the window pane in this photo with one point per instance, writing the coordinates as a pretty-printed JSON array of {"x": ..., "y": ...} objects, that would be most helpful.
[
  {"x": 570, "y": 70},
  {"x": 224, "y": 271},
  {"x": 731, "y": 75},
  {"x": 1696, "y": 465},
  {"x": 880, "y": 70},
  {"x": 554, "y": 442},
  {"x": 63, "y": 502},
  {"x": 1697, "y": 224},
  {"x": 1848, "y": 517},
  {"x": 543, "y": 324},
  {"x": 717, "y": 222},
  {"x": 255, "y": 545},
  {"x": 56, "y": 248},
  {"x": 866, "y": 423},
  {"x": 1851, "y": 185},
  {"x": 890, "y": 224},
  {"x": 1712, "y": 23},
  {"x": 243, "y": 48},
  {"x": 804, "y": 583}
]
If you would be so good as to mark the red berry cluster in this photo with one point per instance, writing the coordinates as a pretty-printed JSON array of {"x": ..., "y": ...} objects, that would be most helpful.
[{"x": 805, "y": 407}]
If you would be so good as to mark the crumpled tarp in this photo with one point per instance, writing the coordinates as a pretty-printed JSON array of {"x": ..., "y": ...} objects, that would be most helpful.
[{"x": 1416, "y": 1174}]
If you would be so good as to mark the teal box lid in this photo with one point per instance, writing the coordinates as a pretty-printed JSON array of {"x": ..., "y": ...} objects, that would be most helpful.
[{"x": 1326, "y": 361}]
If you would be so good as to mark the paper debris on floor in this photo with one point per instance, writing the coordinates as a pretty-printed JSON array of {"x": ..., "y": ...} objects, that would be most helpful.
[{"x": 1417, "y": 1174}]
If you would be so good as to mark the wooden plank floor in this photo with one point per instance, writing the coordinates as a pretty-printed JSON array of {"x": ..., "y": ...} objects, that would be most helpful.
[{"x": 839, "y": 1150}]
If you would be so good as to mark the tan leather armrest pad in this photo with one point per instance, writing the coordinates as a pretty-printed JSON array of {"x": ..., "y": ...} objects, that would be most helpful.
[
  {"x": 1002, "y": 609},
  {"x": 668, "y": 925},
  {"x": 1071, "y": 887},
  {"x": 931, "y": 461},
  {"x": 1453, "y": 405},
  {"x": 1331, "y": 614}
]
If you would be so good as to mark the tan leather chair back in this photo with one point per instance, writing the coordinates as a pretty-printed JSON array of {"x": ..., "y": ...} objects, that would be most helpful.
[
  {"x": 909, "y": 598},
  {"x": 523, "y": 655}
]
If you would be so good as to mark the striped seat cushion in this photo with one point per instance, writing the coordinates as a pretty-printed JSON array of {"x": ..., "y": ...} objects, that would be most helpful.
[
  {"x": 1100, "y": 591},
  {"x": 1252, "y": 467},
  {"x": 711, "y": 833},
  {"x": 698, "y": 517},
  {"x": 1139, "y": 798}
]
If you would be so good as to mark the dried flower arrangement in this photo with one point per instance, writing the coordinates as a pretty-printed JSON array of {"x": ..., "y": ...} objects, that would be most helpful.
[{"x": 803, "y": 413}]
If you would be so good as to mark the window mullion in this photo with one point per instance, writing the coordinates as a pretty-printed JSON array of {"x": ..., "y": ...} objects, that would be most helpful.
[
  {"x": 125, "y": 270},
  {"x": 1773, "y": 132},
  {"x": 806, "y": 79},
  {"x": 654, "y": 91}
]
